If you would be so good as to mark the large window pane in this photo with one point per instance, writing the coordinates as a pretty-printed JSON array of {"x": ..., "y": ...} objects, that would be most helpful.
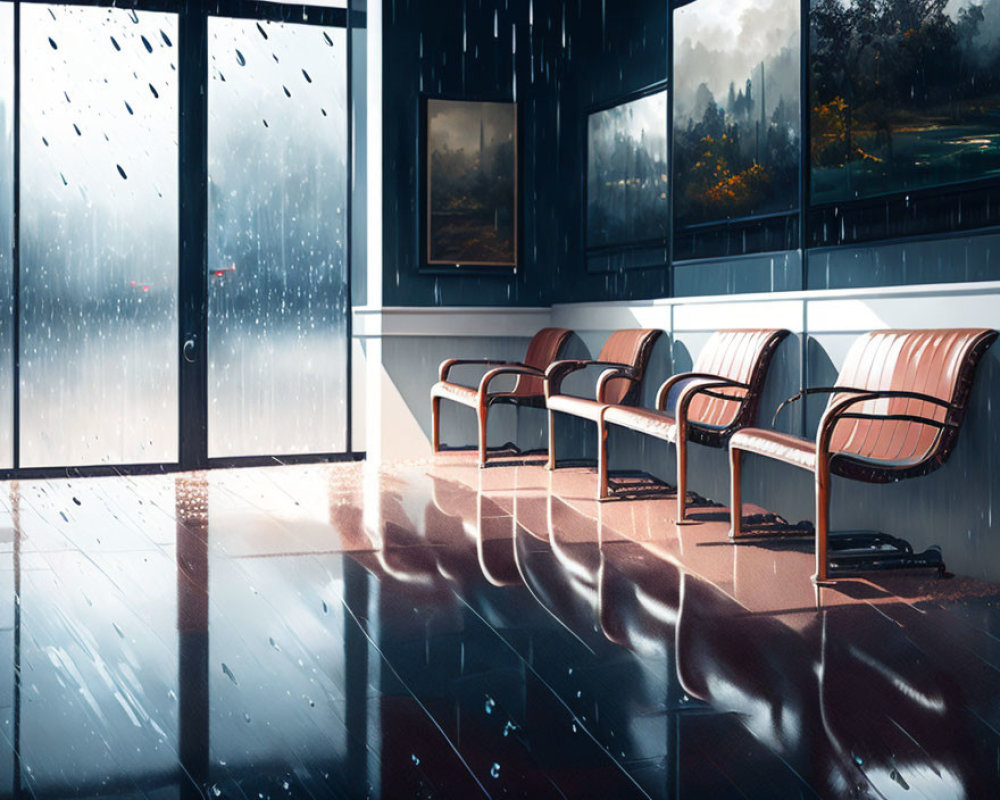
[
  {"x": 903, "y": 95},
  {"x": 99, "y": 236},
  {"x": 277, "y": 152},
  {"x": 736, "y": 109},
  {"x": 6, "y": 230}
]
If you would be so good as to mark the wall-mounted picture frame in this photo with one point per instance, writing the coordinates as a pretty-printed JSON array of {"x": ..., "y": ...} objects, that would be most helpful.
[
  {"x": 626, "y": 184},
  {"x": 469, "y": 203}
]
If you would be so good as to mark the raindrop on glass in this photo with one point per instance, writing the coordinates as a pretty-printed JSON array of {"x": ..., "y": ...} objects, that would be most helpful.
[
  {"x": 54, "y": 45},
  {"x": 240, "y": 59},
  {"x": 166, "y": 39},
  {"x": 262, "y": 31},
  {"x": 152, "y": 88},
  {"x": 146, "y": 44},
  {"x": 306, "y": 76},
  {"x": 129, "y": 108},
  {"x": 118, "y": 47},
  {"x": 229, "y": 674},
  {"x": 495, "y": 770},
  {"x": 490, "y": 704},
  {"x": 326, "y": 36}
]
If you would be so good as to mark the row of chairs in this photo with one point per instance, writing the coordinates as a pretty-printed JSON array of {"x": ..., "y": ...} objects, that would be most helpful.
[{"x": 894, "y": 411}]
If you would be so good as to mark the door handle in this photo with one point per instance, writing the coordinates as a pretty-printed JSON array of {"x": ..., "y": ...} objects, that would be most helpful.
[{"x": 190, "y": 348}]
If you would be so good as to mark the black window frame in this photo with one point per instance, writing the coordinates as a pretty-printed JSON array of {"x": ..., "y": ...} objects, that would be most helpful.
[{"x": 192, "y": 67}]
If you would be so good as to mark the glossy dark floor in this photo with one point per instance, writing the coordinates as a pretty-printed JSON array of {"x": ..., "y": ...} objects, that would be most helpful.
[{"x": 435, "y": 630}]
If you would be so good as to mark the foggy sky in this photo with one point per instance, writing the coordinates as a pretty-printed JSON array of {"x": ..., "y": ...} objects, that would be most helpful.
[
  {"x": 456, "y": 124},
  {"x": 718, "y": 42}
]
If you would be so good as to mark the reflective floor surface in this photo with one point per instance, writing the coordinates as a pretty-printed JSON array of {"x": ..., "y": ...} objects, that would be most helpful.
[{"x": 435, "y": 630}]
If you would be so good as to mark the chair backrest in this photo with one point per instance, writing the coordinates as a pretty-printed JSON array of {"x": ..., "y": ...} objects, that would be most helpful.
[
  {"x": 740, "y": 355},
  {"x": 939, "y": 363},
  {"x": 631, "y": 346},
  {"x": 542, "y": 351}
]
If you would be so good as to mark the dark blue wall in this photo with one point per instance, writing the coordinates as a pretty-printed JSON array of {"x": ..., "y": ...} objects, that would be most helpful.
[
  {"x": 572, "y": 55},
  {"x": 569, "y": 57},
  {"x": 465, "y": 48}
]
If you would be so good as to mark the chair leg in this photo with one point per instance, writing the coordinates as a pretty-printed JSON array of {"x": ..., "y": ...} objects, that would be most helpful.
[
  {"x": 681, "y": 446},
  {"x": 481, "y": 413},
  {"x": 822, "y": 520},
  {"x": 735, "y": 492},
  {"x": 551, "y": 464},
  {"x": 602, "y": 461},
  {"x": 436, "y": 424}
]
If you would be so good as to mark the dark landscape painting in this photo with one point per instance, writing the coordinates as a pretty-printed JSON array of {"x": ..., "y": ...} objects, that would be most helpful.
[
  {"x": 627, "y": 172},
  {"x": 905, "y": 94},
  {"x": 471, "y": 183},
  {"x": 736, "y": 120}
]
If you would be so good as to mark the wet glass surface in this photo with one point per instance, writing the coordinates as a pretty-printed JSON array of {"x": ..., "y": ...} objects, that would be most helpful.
[
  {"x": 277, "y": 238},
  {"x": 98, "y": 236},
  {"x": 627, "y": 172},
  {"x": 903, "y": 96},
  {"x": 736, "y": 109},
  {"x": 6, "y": 231},
  {"x": 340, "y": 631}
]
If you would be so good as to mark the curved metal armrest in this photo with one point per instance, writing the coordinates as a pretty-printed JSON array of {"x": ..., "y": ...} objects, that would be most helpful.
[
  {"x": 717, "y": 380},
  {"x": 840, "y": 411},
  {"x": 507, "y": 369},
  {"x": 873, "y": 394},
  {"x": 558, "y": 370},
  {"x": 448, "y": 363},
  {"x": 610, "y": 374},
  {"x": 689, "y": 392}
]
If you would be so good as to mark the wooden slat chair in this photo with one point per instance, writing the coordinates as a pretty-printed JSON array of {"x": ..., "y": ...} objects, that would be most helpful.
[
  {"x": 718, "y": 397},
  {"x": 529, "y": 389},
  {"x": 894, "y": 413},
  {"x": 623, "y": 359}
]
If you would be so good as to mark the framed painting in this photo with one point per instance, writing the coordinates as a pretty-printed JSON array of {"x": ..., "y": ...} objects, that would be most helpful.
[
  {"x": 902, "y": 98},
  {"x": 627, "y": 208},
  {"x": 736, "y": 110},
  {"x": 469, "y": 202}
]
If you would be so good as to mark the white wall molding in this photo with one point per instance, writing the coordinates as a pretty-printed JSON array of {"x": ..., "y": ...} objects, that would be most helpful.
[
  {"x": 449, "y": 322},
  {"x": 821, "y": 311}
]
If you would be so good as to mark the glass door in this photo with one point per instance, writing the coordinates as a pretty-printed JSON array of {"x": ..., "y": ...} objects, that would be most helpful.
[
  {"x": 174, "y": 233},
  {"x": 98, "y": 236},
  {"x": 277, "y": 238}
]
